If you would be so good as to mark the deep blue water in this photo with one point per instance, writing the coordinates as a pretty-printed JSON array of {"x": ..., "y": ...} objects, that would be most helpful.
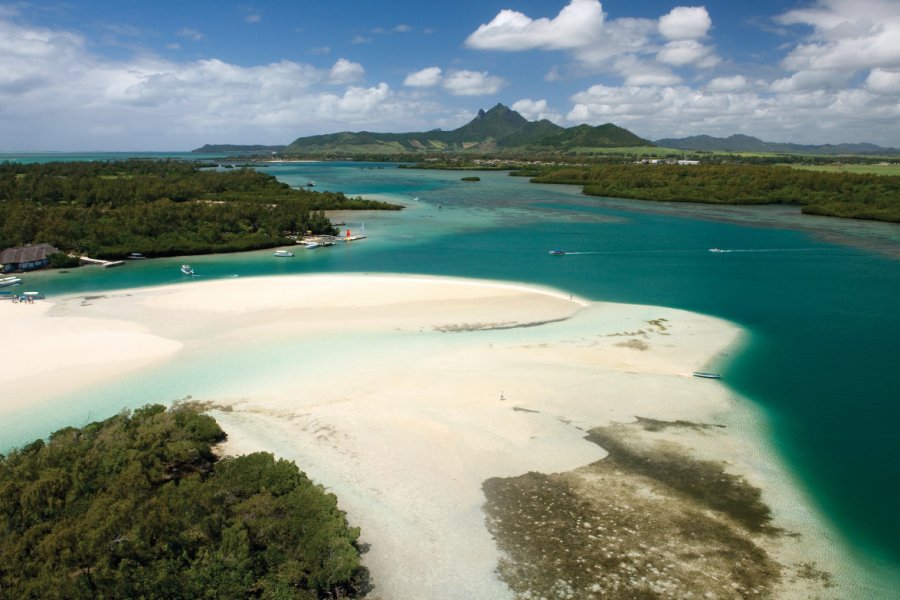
[{"x": 823, "y": 360}]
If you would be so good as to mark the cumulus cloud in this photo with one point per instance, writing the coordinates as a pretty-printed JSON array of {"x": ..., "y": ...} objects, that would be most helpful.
[
  {"x": 598, "y": 43},
  {"x": 56, "y": 94},
  {"x": 848, "y": 35},
  {"x": 735, "y": 83},
  {"x": 578, "y": 24},
  {"x": 253, "y": 19},
  {"x": 685, "y": 23},
  {"x": 679, "y": 110},
  {"x": 344, "y": 71},
  {"x": 882, "y": 81},
  {"x": 472, "y": 83},
  {"x": 535, "y": 110},
  {"x": 428, "y": 77},
  {"x": 686, "y": 52}
]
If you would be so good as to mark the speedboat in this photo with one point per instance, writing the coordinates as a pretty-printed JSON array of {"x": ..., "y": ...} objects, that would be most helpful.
[
  {"x": 310, "y": 183},
  {"x": 8, "y": 281},
  {"x": 311, "y": 245},
  {"x": 716, "y": 250},
  {"x": 557, "y": 252},
  {"x": 187, "y": 269},
  {"x": 283, "y": 253}
]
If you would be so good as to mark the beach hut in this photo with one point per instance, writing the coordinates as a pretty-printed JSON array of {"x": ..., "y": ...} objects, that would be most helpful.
[{"x": 26, "y": 258}]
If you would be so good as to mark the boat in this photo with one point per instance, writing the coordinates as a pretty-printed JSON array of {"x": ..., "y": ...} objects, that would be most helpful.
[
  {"x": 310, "y": 183},
  {"x": 8, "y": 281},
  {"x": 311, "y": 245},
  {"x": 187, "y": 269},
  {"x": 557, "y": 252},
  {"x": 113, "y": 263},
  {"x": 717, "y": 250},
  {"x": 136, "y": 256},
  {"x": 33, "y": 295},
  {"x": 705, "y": 375},
  {"x": 283, "y": 253}
]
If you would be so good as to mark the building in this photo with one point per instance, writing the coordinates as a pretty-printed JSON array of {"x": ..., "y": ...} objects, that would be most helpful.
[{"x": 26, "y": 258}]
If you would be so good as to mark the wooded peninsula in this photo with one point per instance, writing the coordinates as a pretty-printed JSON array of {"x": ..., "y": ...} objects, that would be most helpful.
[
  {"x": 158, "y": 207},
  {"x": 849, "y": 195},
  {"x": 139, "y": 506}
]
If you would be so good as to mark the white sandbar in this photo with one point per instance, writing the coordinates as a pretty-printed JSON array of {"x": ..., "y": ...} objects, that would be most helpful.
[{"x": 444, "y": 384}]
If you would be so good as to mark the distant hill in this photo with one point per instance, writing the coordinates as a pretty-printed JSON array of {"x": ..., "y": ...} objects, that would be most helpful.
[
  {"x": 498, "y": 129},
  {"x": 746, "y": 143},
  {"x": 238, "y": 149}
]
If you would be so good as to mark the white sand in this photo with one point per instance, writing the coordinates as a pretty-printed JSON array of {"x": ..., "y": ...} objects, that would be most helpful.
[{"x": 406, "y": 424}]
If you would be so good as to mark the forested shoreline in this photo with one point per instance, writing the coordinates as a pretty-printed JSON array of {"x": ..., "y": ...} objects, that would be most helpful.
[
  {"x": 138, "y": 506},
  {"x": 159, "y": 208},
  {"x": 849, "y": 195}
]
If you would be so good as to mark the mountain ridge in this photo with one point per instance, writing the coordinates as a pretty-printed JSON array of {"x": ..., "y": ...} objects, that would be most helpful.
[
  {"x": 495, "y": 130},
  {"x": 746, "y": 143}
]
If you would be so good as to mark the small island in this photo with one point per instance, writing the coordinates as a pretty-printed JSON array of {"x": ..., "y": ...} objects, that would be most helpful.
[{"x": 470, "y": 179}]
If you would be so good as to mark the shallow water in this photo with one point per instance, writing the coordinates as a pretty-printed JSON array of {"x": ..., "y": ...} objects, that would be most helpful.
[{"x": 821, "y": 359}]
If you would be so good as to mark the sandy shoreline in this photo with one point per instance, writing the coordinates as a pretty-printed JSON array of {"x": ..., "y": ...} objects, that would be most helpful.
[{"x": 403, "y": 394}]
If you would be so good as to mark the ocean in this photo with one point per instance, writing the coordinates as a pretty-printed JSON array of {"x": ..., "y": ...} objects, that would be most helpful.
[{"x": 817, "y": 296}]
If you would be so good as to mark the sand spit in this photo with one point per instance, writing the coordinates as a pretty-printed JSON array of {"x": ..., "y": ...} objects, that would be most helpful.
[{"x": 404, "y": 395}]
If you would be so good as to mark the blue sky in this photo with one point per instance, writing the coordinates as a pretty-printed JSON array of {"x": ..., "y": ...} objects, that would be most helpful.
[{"x": 166, "y": 75}]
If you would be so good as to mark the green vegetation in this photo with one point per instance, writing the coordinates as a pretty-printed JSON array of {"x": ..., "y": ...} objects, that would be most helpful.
[
  {"x": 471, "y": 179},
  {"x": 854, "y": 196},
  {"x": 866, "y": 169},
  {"x": 138, "y": 506},
  {"x": 499, "y": 130},
  {"x": 158, "y": 208}
]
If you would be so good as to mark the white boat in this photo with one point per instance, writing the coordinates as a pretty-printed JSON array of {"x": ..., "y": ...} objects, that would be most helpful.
[
  {"x": 136, "y": 256},
  {"x": 187, "y": 269},
  {"x": 283, "y": 253},
  {"x": 311, "y": 245},
  {"x": 310, "y": 183},
  {"x": 8, "y": 281},
  {"x": 33, "y": 295}
]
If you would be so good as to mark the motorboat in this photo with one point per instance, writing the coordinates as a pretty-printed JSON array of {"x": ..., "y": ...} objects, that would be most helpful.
[
  {"x": 557, "y": 252},
  {"x": 283, "y": 253},
  {"x": 136, "y": 256},
  {"x": 187, "y": 269},
  {"x": 705, "y": 375},
  {"x": 311, "y": 245},
  {"x": 8, "y": 281}
]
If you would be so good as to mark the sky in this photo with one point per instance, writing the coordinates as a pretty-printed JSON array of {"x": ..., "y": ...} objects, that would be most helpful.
[{"x": 84, "y": 75}]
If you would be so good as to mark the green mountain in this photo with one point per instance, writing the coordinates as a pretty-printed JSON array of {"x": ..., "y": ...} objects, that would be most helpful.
[
  {"x": 499, "y": 129},
  {"x": 746, "y": 143}
]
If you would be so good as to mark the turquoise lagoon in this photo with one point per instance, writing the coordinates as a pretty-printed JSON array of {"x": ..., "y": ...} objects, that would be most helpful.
[{"x": 821, "y": 363}]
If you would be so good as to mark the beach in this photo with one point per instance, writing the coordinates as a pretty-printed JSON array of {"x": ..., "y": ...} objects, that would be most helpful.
[{"x": 404, "y": 395}]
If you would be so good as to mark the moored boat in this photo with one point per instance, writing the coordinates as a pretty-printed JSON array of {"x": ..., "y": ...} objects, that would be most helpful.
[
  {"x": 311, "y": 245},
  {"x": 187, "y": 269},
  {"x": 705, "y": 375},
  {"x": 136, "y": 256},
  {"x": 8, "y": 281},
  {"x": 283, "y": 253}
]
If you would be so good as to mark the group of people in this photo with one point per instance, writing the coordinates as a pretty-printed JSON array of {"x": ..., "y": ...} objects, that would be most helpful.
[{"x": 23, "y": 299}]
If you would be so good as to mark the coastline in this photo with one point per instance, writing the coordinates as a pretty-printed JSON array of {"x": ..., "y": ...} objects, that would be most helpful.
[{"x": 405, "y": 394}]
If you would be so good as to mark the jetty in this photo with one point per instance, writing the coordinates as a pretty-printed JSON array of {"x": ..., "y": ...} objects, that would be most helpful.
[{"x": 87, "y": 260}]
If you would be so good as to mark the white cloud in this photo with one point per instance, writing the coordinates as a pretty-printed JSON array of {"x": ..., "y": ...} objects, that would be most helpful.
[
  {"x": 428, "y": 77},
  {"x": 597, "y": 43},
  {"x": 735, "y": 83},
  {"x": 191, "y": 34},
  {"x": 848, "y": 35},
  {"x": 882, "y": 81},
  {"x": 402, "y": 28},
  {"x": 685, "y": 23},
  {"x": 55, "y": 94},
  {"x": 360, "y": 39},
  {"x": 638, "y": 72},
  {"x": 253, "y": 19},
  {"x": 804, "y": 81},
  {"x": 535, "y": 110},
  {"x": 344, "y": 71},
  {"x": 685, "y": 52},
  {"x": 320, "y": 50},
  {"x": 576, "y": 25},
  {"x": 472, "y": 83}
]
